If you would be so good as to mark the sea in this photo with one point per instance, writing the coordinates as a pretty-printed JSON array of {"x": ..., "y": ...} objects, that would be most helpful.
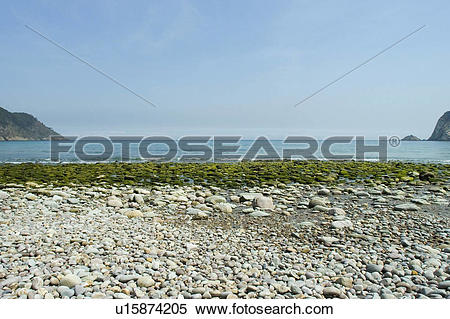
[{"x": 40, "y": 152}]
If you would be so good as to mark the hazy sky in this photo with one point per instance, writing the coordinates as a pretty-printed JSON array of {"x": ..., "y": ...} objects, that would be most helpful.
[{"x": 227, "y": 67}]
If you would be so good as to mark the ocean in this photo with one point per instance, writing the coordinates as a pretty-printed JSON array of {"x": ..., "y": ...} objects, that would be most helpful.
[{"x": 39, "y": 151}]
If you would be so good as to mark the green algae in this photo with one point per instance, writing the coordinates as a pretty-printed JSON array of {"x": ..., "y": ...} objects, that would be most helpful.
[{"x": 231, "y": 175}]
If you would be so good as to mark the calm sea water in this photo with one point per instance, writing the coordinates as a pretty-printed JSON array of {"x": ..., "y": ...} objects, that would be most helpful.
[{"x": 39, "y": 151}]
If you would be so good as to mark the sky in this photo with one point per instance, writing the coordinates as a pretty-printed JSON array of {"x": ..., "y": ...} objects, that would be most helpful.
[{"x": 227, "y": 67}]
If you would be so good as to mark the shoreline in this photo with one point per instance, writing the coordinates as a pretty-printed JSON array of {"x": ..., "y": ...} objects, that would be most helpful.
[{"x": 375, "y": 236}]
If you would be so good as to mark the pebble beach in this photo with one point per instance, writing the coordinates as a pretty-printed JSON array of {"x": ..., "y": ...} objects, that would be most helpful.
[{"x": 288, "y": 240}]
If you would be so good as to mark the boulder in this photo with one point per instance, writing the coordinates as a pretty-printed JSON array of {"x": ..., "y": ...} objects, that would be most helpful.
[{"x": 263, "y": 202}]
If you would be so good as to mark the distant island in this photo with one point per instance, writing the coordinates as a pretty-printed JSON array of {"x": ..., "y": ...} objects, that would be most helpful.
[
  {"x": 411, "y": 138},
  {"x": 17, "y": 126},
  {"x": 442, "y": 130}
]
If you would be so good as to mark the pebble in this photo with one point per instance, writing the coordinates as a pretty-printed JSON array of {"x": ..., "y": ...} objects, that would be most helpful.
[
  {"x": 406, "y": 207},
  {"x": 71, "y": 243},
  {"x": 328, "y": 239},
  {"x": 134, "y": 213},
  {"x": 127, "y": 278},
  {"x": 223, "y": 207},
  {"x": 331, "y": 292},
  {"x": 444, "y": 284},
  {"x": 374, "y": 268},
  {"x": 339, "y": 224},
  {"x": 114, "y": 202},
  {"x": 66, "y": 291},
  {"x": 215, "y": 199},
  {"x": 70, "y": 281},
  {"x": 259, "y": 214}
]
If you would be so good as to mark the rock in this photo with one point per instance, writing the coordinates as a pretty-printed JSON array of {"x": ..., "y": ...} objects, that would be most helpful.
[
  {"x": 145, "y": 281},
  {"x": 37, "y": 283},
  {"x": 134, "y": 213},
  {"x": 190, "y": 246},
  {"x": 79, "y": 290},
  {"x": 328, "y": 240},
  {"x": 70, "y": 281},
  {"x": 345, "y": 281},
  {"x": 324, "y": 192},
  {"x": 362, "y": 194},
  {"x": 442, "y": 129},
  {"x": 138, "y": 198},
  {"x": 31, "y": 196},
  {"x": 249, "y": 197},
  {"x": 114, "y": 202},
  {"x": 339, "y": 224},
  {"x": 336, "y": 211},
  {"x": 98, "y": 295},
  {"x": 259, "y": 213},
  {"x": 420, "y": 201},
  {"x": 331, "y": 292},
  {"x": 444, "y": 284},
  {"x": 281, "y": 288},
  {"x": 405, "y": 207},
  {"x": 295, "y": 289},
  {"x": 127, "y": 278},
  {"x": 199, "y": 290},
  {"x": 3, "y": 195},
  {"x": 411, "y": 138},
  {"x": 223, "y": 207},
  {"x": 193, "y": 211},
  {"x": 317, "y": 201},
  {"x": 200, "y": 215},
  {"x": 215, "y": 199},
  {"x": 320, "y": 208},
  {"x": 374, "y": 268},
  {"x": 263, "y": 203},
  {"x": 181, "y": 198},
  {"x": 235, "y": 199},
  {"x": 9, "y": 281},
  {"x": 149, "y": 214},
  {"x": 66, "y": 291}
]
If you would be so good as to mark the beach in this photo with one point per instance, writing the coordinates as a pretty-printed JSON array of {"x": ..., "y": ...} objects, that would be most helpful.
[{"x": 306, "y": 229}]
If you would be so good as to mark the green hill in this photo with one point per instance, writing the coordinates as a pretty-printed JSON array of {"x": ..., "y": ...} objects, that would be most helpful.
[{"x": 22, "y": 126}]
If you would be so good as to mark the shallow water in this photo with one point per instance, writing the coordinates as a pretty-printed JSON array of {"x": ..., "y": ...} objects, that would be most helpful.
[{"x": 407, "y": 151}]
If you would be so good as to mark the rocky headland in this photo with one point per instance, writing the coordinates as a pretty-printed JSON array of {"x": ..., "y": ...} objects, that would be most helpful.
[
  {"x": 17, "y": 126},
  {"x": 442, "y": 130}
]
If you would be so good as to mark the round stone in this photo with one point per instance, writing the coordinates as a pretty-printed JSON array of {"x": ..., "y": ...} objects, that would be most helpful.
[
  {"x": 145, "y": 281},
  {"x": 70, "y": 281}
]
